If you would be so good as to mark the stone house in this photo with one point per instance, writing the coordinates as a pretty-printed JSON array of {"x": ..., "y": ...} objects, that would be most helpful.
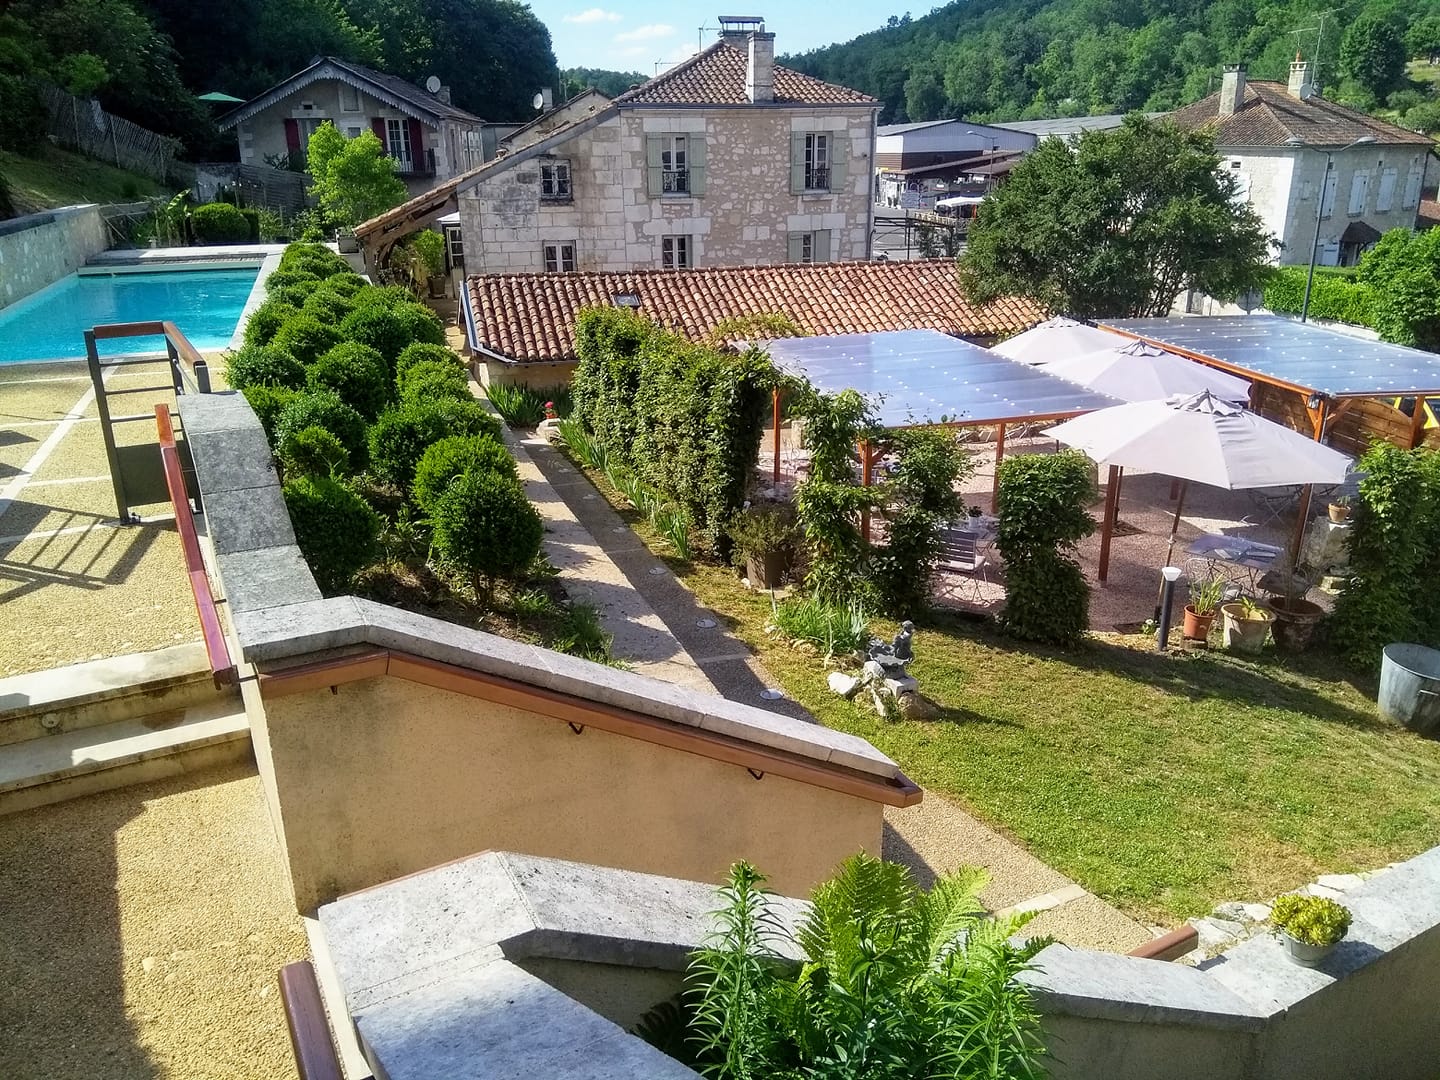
[
  {"x": 725, "y": 159},
  {"x": 1274, "y": 137},
  {"x": 429, "y": 138}
]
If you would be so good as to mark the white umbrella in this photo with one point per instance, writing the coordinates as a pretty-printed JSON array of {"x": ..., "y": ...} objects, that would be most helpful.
[
  {"x": 1056, "y": 339},
  {"x": 1140, "y": 371},
  {"x": 1204, "y": 439}
]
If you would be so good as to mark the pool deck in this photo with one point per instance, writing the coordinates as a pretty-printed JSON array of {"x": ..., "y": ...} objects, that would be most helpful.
[{"x": 226, "y": 254}]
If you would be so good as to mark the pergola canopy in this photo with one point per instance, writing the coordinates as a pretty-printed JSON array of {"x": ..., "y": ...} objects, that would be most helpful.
[
  {"x": 1297, "y": 356},
  {"x": 918, "y": 377}
]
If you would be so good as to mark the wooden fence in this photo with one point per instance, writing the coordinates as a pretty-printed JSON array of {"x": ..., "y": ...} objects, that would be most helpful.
[
  {"x": 1353, "y": 430},
  {"x": 83, "y": 125},
  {"x": 256, "y": 185}
]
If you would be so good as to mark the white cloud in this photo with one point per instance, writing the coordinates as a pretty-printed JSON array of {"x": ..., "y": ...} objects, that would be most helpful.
[
  {"x": 648, "y": 32},
  {"x": 593, "y": 15}
]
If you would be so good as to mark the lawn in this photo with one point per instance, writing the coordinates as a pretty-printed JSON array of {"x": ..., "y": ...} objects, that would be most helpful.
[
  {"x": 53, "y": 177},
  {"x": 1164, "y": 784}
]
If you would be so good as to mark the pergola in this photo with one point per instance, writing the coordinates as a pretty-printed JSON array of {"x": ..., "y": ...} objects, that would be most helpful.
[{"x": 923, "y": 378}]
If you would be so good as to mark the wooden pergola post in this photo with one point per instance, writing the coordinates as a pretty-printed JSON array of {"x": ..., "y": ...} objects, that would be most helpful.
[
  {"x": 999, "y": 453},
  {"x": 775, "y": 407},
  {"x": 1317, "y": 418},
  {"x": 1417, "y": 424},
  {"x": 865, "y": 477},
  {"x": 1107, "y": 525}
]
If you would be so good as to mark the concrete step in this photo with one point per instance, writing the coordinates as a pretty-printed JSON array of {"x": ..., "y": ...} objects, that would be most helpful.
[
  {"x": 46, "y": 703},
  {"x": 54, "y": 768}
]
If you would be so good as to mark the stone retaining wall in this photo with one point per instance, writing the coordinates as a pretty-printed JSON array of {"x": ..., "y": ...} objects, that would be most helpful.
[{"x": 39, "y": 249}]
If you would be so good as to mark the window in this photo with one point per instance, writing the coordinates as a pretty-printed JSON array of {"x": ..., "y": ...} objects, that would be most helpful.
[
  {"x": 555, "y": 181},
  {"x": 675, "y": 165},
  {"x": 1359, "y": 189},
  {"x": 818, "y": 162},
  {"x": 474, "y": 150},
  {"x": 675, "y": 253},
  {"x": 349, "y": 98},
  {"x": 1327, "y": 198},
  {"x": 560, "y": 258},
  {"x": 353, "y": 131},
  {"x": 454, "y": 246},
  {"x": 397, "y": 142},
  {"x": 1413, "y": 180},
  {"x": 1385, "y": 197},
  {"x": 809, "y": 247}
]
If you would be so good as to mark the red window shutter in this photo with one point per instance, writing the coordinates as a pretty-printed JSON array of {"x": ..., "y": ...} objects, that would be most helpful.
[
  {"x": 417, "y": 146},
  {"x": 292, "y": 134},
  {"x": 377, "y": 125}
]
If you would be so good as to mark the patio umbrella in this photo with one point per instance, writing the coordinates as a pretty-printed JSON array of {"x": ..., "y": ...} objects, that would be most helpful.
[
  {"x": 1140, "y": 371},
  {"x": 1056, "y": 339},
  {"x": 1200, "y": 438}
]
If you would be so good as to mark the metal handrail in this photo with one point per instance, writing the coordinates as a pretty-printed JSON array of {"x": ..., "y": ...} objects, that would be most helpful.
[{"x": 217, "y": 649}]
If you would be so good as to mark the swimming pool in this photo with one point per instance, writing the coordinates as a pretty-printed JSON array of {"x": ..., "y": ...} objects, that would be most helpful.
[{"x": 51, "y": 324}]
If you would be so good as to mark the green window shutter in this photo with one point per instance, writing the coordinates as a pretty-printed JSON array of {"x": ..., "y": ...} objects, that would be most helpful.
[
  {"x": 653, "y": 148},
  {"x": 797, "y": 164},
  {"x": 697, "y": 164},
  {"x": 822, "y": 245},
  {"x": 839, "y": 161},
  {"x": 795, "y": 253}
]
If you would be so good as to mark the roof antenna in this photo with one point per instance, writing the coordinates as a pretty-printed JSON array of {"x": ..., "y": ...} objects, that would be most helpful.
[{"x": 700, "y": 36}]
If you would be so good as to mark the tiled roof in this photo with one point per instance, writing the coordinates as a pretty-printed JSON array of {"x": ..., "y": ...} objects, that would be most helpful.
[
  {"x": 717, "y": 77},
  {"x": 407, "y": 91},
  {"x": 530, "y": 318},
  {"x": 1269, "y": 116}
]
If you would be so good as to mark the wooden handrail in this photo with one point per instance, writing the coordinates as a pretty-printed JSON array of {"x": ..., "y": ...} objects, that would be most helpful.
[
  {"x": 1169, "y": 946},
  {"x": 315, "y": 1057},
  {"x": 222, "y": 668},
  {"x": 178, "y": 342}
]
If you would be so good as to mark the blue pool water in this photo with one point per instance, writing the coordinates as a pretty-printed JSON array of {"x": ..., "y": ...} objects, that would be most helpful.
[{"x": 51, "y": 324}]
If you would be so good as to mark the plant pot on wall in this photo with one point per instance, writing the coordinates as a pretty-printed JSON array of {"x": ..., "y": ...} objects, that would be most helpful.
[
  {"x": 1197, "y": 626},
  {"x": 1295, "y": 622},
  {"x": 1245, "y": 627},
  {"x": 1339, "y": 512},
  {"x": 1306, "y": 955}
]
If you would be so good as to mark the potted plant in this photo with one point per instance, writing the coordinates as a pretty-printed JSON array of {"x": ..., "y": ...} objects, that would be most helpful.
[
  {"x": 1295, "y": 617},
  {"x": 1309, "y": 926},
  {"x": 764, "y": 537},
  {"x": 1339, "y": 510},
  {"x": 1245, "y": 624},
  {"x": 1205, "y": 596},
  {"x": 973, "y": 514}
]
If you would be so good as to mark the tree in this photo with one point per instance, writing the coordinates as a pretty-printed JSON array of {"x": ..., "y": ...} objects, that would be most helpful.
[
  {"x": 353, "y": 179},
  {"x": 1403, "y": 272},
  {"x": 1423, "y": 37},
  {"x": 1116, "y": 224},
  {"x": 1373, "y": 54}
]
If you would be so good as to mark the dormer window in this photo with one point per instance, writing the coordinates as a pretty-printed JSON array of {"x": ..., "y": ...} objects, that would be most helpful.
[{"x": 555, "y": 181}]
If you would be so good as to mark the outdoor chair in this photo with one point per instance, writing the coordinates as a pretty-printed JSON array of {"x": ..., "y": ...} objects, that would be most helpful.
[
  {"x": 1273, "y": 503},
  {"x": 962, "y": 561}
]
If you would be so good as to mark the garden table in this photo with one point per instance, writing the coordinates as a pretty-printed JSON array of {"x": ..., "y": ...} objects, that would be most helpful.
[{"x": 1235, "y": 559}]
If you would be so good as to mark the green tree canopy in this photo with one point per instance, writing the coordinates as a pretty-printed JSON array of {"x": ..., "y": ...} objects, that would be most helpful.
[
  {"x": 1373, "y": 54},
  {"x": 1403, "y": 272},
  {"x": 353, "y": 179},
  {"x": 1116, "y": 223}
]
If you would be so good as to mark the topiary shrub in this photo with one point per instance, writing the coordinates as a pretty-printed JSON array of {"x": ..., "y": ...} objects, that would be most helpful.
[
  {"x": 252, "y": 224},
  {"x": 335, "y": 528},
  {"x": 265, "y": 321},
  {"x": 295, "y": 295},
  {"x": 379, "y": 327},
  {"x": 431, "y": 380},
  {"x": 357, "y": 373},
  {"x": 219, "y": 223},
  {"x": 281, "y": 278},
  {"x": 314, "y": 259},
  {"x": 400, "y": 437},
  {"x": 347, "y": 284},
  {"x": 483, "y": 525},
  {"x": 267, "y": 402},
  {"x": 443, "y": 461},
  {"x": 313, "y": 451},
  {"x": 323, "y": 408},
  {"x": 420, "y": 351},
  {"x": 386, "y": 296},
  {"x": 1043, "y": 513},
  {"x": 328, "y": 307},
  {"x": 263, "y": 365},
  {"x": 306, "y": 338},
  {"x": 420, "y": 323}
]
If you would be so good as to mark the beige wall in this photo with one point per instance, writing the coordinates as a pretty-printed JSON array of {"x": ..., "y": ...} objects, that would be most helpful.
[
  {"x": 386, "y": 777},
  {"x": 744, "y": 218}
]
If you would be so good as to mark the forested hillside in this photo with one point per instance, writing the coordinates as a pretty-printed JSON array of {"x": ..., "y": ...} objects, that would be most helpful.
[
  {"x": 147, "y": 59},
  {"x": 1026, "y": 59},
  {"x": 610, "y": 83}
]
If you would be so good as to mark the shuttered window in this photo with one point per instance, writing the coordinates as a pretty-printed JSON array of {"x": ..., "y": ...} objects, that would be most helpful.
[
  {"x": 675, "y": 164},
  {"x": 809, "y": 247},
  {"x": 1327, "y": 202},
  {"x": 818, "y": 162},
  {"x": 1385, "y": 197},
  {"x": 1413, "y": 180},
  {"x": 1359, "y": 190}
]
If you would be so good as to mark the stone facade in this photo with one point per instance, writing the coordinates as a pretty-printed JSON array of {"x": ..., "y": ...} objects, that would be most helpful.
[
  {"x": 745, "y": 216},
  {"x": 40, "y": 249}
]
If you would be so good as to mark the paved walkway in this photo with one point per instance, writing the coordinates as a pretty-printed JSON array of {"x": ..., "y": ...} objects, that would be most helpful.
[{"x": 674, "y": 638}]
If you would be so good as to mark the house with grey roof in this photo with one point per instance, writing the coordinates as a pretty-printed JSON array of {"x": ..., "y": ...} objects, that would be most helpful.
[
  {"x": 428, "y": 137},
  {"x": 1289, "y": 147},
  {"x": 725, "y": 159}
]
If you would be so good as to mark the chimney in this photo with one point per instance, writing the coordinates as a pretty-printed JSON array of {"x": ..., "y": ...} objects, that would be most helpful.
[
  {"x": 1300, "y": 85},
  {"x": 443, "y": 95},
  {"x": 760, "y": 72},
  {"x": 1232, "y": 90}
]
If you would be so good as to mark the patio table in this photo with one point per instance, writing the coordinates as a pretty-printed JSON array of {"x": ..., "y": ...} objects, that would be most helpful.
[{"x": 1237, "y": 560}]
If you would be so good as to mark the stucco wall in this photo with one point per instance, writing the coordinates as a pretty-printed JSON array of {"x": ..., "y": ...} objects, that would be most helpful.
[
  {"x": 744, "y": 218},
  {"x": 385, "y": 777},
  {"x": 40, "y": 249}
]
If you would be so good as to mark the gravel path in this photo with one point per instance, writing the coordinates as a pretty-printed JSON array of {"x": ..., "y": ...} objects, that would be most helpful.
[{"x": 143, "y": 929}]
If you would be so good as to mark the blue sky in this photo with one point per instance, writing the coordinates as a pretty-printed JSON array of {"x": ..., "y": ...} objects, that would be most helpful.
[{"x": 629, "y": 35}]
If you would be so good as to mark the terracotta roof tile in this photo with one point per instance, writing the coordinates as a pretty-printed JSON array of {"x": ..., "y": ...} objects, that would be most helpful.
[
  {"x": 1269, "y": 116},
  {"x": 717, "y": 77},
  {"x": 530, "y": 318}
]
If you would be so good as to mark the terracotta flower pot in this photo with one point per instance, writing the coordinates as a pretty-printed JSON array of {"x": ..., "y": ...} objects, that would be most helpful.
[
  {"x": 1339, "y": 514},
  {"x": 1295, "y": 622},
  {"x": 1197, "y": 627},
  {"x": 1244, "y": 635}
]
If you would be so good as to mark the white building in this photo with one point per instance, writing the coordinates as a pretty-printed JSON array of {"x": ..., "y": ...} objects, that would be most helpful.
[{"x": 1275, "y": 136}]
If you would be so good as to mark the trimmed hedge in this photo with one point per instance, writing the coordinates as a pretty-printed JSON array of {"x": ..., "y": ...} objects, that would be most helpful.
[
  {"x": 443, "y": 461},
  {"x": 421, "y": 324},
  {"x": 485, "y": 525},
  {"x": 268, "y": 402},
  {"x": 400, "y": 437},
  {"x": 1335, "y": 295},
  {"x": 313, "y": 451},
  {"x": 279, "y": 279},
  {"x": 347, "y": 284},
  {"x": 336, "y": 529},
  {"x": 314, "y": 259},
  {"x": 219, "y": 223},
  {"x": 379, "y": 327},
  {"x": 265, "y": 321},
  {"x": 357, "y": 373},
  {"x": 421, "y": 351},
  {"x": 264, "y": 365},
  {"x": 431, "y": 380},
  {"x": 323, "y": 408},
  {"x": 328, "y": 307},
  {"x": 386, "y": 296},
  {"x": 306, "y": 338}
]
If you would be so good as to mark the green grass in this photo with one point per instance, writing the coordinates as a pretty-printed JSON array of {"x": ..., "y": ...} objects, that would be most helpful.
[
  {"x": 53, "y": 177},
  {"x": 1423, "y": 71},
  {"x": 1164, "y": 784}
]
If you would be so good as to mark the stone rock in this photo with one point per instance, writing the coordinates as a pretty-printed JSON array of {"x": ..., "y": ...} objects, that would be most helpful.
[
  {"x": 1257, "y": 912},
  {"x": 1339, "y": 882},
  {"x": 842, "y": 684},
  {"x": 903, "y": 685},
  {"x": 916, "y": 706},
  {"x": 1232, "y": 910},
  {"x": 1322, "y": 890},
  {"x": 1216, "y": 933},
  {"x": 873, "y": 670}
]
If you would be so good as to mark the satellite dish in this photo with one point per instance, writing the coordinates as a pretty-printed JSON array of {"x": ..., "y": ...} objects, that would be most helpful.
[
  {"x": 538, "y": 101},
  {"x": 433, "y": 84},
  {"x": 1307, "y": 92}
]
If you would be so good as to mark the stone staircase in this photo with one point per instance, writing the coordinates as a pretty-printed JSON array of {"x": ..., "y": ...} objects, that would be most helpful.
[{"x": 110, "y": 723}]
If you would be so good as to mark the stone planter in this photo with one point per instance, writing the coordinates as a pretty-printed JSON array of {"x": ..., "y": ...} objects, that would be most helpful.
[
  {"x": 1197, "y": 627},
  {"x": 1306, "y": 955},
  {"x": 1295, "y": 622},
  {"x": 1244, "y": 635},
  {"x": 766, "y": 571}
]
